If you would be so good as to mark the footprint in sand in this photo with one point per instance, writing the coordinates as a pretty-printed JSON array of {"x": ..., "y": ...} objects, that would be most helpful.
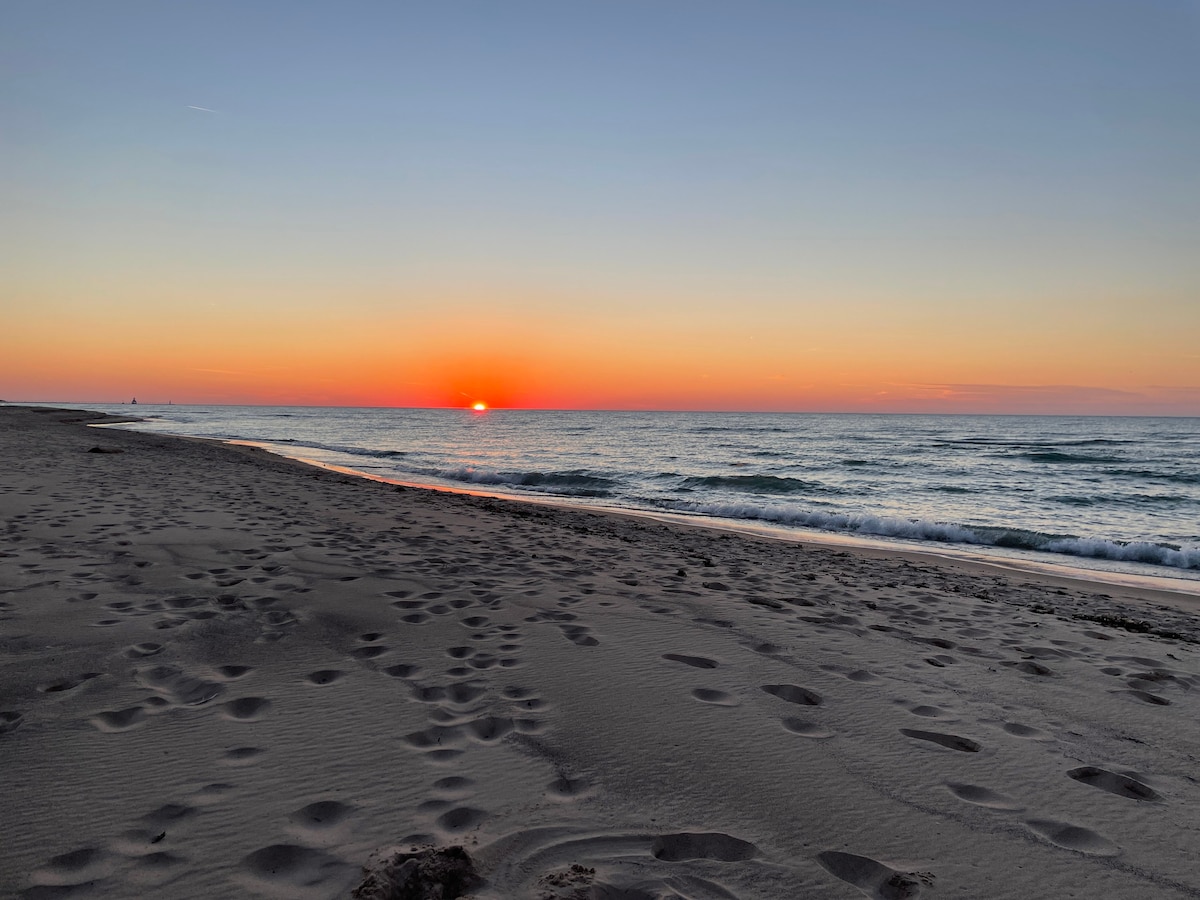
[
  {"x": 465, "y": 692},
  {"x": 324, "y": 677},
  {"x": 1029, "y": 667},
  {"x": 950, "y": 741},
  {"x": 233, "y": 673},
  {"x": 489, "y": 729},
  {"x": 566, "y": 788},
  {"x": 1146, "y": 697},
  {"x": 1073, "y": 837},
  {"x": 805, "y": 728},
  {"x": 696, "y": 662},
  {"x": 460, "y": 819},
  {"x": 402, "y": 670},
  {"x": 579, "y": 635},
  {"x": 75, "y": 868},
  {"x": 119, "y": 719},
  {"x": 292, "y": 870},
  {"x": 872, "y": 877},
  {"x": 794, "y": 694},
  {"x": 1121, "y": 785},
  {"x": 246, "y": 709},
  {"x": 1026, "y": 731},
  {"x": 323, "y": 822},
  {"x": 177, "y": 686},
  {"x": 530, "y": 704},
  {"x": 701, "y": 845},
  {"x": 428, "y": 693},
  {"x": 941, "y": 660},
  {"x": 241, "y": 756},
  {"x": 765, "y": 648},
  {"x": 454, "y": 787},
  {"x": 715, "y": 697},
  {"x": 62, "y": 685}
]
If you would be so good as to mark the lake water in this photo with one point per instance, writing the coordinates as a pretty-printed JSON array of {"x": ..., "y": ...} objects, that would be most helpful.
[{"x": 1111, "y": 494}]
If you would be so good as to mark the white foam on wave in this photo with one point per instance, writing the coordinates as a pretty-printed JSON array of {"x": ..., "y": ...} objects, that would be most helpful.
[
  {"x": 916, "y": 529},
  {"x": 883, "y": 526},
  {"x": 1137, "y": 551},
  {"x": 472, "y": 475}
]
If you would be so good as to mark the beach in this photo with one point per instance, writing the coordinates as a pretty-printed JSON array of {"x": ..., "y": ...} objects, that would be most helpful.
[{"x": 225, "y": 674}]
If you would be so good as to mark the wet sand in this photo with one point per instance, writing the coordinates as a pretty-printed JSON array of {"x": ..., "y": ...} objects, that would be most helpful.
[{"x": 223, "y": 673}]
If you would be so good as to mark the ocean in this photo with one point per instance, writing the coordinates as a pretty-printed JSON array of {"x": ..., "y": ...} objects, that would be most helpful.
[{"x": 1105, "y": 494}]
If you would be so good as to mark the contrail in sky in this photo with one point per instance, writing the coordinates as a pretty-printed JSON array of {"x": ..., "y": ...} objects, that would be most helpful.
[{"x": 201, "y": 108}]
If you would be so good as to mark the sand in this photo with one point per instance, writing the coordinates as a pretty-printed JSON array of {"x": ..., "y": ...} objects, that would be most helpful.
[{"x": 225, "y": 674}]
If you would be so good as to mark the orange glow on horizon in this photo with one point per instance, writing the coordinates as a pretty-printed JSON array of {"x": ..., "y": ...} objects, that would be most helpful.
[
  {"x": 479, "y": 407},
  {"x": 313, "y": 354}
]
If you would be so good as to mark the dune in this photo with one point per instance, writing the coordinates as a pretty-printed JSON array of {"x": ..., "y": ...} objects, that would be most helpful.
[{"x": 229, "y": 674}]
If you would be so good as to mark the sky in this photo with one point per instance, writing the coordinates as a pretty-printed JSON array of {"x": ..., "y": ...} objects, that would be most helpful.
[{"x": 947, "y": 206}]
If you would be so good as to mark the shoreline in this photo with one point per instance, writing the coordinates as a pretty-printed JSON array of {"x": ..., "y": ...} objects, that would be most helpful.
[
  {"x": 228, "y": 672},
  {"x": 1052, "y": 571},
  {"x": 1111, "y": 560}
]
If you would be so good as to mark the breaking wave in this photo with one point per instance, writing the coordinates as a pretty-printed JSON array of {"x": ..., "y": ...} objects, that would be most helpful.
[
  {"x": 573, "y": 484},
  {"x": 755, "y": 484},
  {"x": 918, "y": 530}
]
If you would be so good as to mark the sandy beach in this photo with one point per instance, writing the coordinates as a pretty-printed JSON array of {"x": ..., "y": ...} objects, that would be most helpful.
[{"x": 227, "y": 674}]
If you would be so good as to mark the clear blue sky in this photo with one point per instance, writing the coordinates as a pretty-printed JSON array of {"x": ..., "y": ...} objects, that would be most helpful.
[{"x": 946, "y": 167}]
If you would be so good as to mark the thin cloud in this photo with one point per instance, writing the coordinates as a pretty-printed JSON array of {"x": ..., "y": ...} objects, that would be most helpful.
[
  {"x": 1022, "y": 390},
  {"x": 201, "y": 108}
]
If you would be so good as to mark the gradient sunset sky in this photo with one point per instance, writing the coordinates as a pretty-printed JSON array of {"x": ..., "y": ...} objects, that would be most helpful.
[{"x": 947, "y": 206}]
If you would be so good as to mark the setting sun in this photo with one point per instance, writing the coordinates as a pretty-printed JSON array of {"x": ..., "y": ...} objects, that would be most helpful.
[{"x": 479, "y": 407}]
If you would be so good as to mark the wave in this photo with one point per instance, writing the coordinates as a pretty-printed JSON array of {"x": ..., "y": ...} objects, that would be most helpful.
[
  {"x": 1056, "y": 456},
  {"x": 755, "y": 484},
  {"x": 574, "y": 484},
  {"x": 739, "y": 429},
  {"x": 1151, "y": 475},
  {"x": 1074, "y": 500},
  {"x": 950, "y": 533},
  {"x": 1032, "y": 445},
  {"x": 342, "y": 448}
]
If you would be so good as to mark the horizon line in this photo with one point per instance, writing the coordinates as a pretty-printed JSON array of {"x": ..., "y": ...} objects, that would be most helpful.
[{"x": 764, "y": 412}]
